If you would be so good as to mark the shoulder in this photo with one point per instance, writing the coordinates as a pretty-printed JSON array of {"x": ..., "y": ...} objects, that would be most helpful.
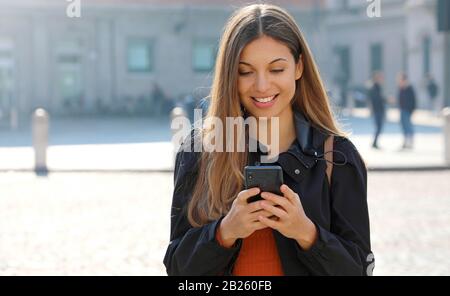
[
  {"x": 346, "y": 153},
  {"x": 186, "y": 158},
  {"x": 344, "y": 143},
  {"x": 187, "y": 164}
]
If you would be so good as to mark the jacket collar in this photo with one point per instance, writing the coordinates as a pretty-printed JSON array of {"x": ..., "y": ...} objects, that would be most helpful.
[
  {"x": 310, "y": 139},
  {"x": 305, "y": 152},
  {"x": 308, "y": 146}
]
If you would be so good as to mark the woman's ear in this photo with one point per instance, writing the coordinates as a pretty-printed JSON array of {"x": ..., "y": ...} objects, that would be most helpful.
[{"x": 299, "y": 68}]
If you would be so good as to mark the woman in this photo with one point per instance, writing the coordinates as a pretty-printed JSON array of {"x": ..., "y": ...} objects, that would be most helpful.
[{"x": 264, "y": 68}]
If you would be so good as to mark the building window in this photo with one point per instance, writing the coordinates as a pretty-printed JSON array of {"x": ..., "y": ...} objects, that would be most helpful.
[
  {"x": 376, "y": 57},
  {"x": 204, "y": 55},
  {"x": 140, "y": 55},
  {"x": 69, "y": 82},
  {"x": 70, "y": 79},
  {"x": 343, "y": 58},
  {"x": 343, "y": 74},
  {"x": 7, "y": 65},
  {"x": 426, "y": 55}
]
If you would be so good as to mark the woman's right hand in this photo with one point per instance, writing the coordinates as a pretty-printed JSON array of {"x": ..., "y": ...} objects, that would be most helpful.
[{"x": 242, "y": 219}]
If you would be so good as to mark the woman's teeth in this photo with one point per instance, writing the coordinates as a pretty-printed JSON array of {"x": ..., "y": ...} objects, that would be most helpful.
[{"x": 264, "y": 100}]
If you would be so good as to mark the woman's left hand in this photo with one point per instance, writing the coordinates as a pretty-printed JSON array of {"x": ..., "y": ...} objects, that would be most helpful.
[{"x": 292, "y": 221}]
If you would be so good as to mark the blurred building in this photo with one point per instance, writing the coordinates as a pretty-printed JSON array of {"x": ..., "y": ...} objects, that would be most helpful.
[
  {"x": 112, "y": 58},
  {"x": 404, "y": 38}
]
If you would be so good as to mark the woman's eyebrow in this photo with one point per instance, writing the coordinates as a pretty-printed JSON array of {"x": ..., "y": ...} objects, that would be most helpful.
[{"x": 276, "y": 60}]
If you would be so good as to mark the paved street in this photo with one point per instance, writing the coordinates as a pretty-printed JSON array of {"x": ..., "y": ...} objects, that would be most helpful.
[
  {"x": 83, "y": 223},
  {"x": 118, "y": 223}
]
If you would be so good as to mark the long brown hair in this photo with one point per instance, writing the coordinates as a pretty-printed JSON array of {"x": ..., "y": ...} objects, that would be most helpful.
[{"x": 220, "y": 176}]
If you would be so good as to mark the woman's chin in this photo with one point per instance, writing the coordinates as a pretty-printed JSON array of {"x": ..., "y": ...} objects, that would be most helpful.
[{"x": 261, "y": 115}]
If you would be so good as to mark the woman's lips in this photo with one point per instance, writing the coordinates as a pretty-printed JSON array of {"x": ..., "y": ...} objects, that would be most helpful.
[{"x": 264, "y": 104}]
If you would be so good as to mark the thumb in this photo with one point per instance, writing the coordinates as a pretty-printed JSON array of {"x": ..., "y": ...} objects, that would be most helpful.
[{"x": 246, "y": 194}]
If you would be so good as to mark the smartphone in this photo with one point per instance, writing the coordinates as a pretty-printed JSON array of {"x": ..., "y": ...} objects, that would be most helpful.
[{"x": 267, "y": 178}]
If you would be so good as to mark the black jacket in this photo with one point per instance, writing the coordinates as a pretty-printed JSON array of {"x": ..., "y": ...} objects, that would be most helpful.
[
  {"x": 407, "y": 98},
  {"x": 376, "y": 99},
  {"x": 340, "y": 213}
]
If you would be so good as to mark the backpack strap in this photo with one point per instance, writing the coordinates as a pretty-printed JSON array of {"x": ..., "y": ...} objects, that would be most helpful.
[{"x": 328, "y": 151}]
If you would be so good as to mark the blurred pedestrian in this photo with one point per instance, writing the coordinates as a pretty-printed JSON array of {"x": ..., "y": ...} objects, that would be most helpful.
[
  {"x": 378, "y": 105},
  {"x": 433, "y": 90},
  {"x": 407, "y": 104}
]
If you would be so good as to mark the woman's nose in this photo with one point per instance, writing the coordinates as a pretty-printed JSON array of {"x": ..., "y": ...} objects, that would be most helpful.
[{"x": 262, "y": 83}]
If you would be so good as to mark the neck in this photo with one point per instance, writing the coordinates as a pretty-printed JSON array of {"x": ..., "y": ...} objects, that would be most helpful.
[{"x": 285, "y": 131}]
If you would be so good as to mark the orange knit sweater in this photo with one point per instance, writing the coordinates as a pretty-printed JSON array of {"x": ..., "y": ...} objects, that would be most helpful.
[{"x": 258, "y": 255}]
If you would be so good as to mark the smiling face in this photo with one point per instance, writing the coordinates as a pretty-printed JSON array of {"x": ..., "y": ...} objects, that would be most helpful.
[{"x": 267, "y": 76}]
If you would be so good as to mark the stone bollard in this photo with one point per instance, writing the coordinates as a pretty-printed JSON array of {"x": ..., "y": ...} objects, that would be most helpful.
[
  {"x": 446, "y": 113},
  {"x": 40, "y": 127}
]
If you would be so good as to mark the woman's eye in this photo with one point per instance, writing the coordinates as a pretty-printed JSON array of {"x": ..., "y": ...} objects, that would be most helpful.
[{"x": 242, "y": 73}]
